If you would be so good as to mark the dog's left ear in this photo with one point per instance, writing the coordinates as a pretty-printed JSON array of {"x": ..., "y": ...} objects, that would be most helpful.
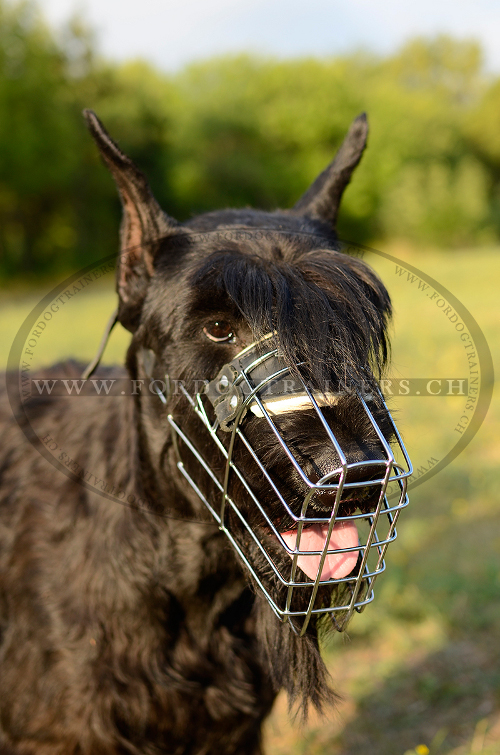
[
  {"x": 143, "y": 224},
  {"x": 322, "y": 199}
]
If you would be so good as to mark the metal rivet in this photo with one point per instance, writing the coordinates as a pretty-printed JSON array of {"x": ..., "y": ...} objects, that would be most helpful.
[
  {"x": 223, "y": 382},
  {"x": 234, "y": 402}
]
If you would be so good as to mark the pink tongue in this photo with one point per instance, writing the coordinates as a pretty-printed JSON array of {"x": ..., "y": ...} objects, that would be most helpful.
[{"x": 337, "y": 565}]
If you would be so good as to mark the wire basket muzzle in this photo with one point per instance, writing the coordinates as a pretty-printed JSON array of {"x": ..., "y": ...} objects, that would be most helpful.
[{"x": 325, "y": 560}]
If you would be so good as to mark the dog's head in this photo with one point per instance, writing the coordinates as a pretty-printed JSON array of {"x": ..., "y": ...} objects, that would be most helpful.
[{"x": 289, "y": 444}]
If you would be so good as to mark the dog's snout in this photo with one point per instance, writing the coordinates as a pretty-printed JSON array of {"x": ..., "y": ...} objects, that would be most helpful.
[
  {"x": 361, "y": 483},
  {"x": 361, "y": 487},
  {"x": 364, "y": 461},
  {"x": 362, "y": 472}
]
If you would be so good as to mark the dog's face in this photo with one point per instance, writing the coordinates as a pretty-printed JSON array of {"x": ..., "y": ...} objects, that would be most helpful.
[{"x": 195, "y": 296}]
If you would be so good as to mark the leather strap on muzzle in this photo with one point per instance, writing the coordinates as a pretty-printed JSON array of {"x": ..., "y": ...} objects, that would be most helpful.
[{"x": 241, "y": 378}]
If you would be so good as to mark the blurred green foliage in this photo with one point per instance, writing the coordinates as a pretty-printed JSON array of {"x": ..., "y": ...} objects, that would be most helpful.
[{"x": 239, "y": 131}]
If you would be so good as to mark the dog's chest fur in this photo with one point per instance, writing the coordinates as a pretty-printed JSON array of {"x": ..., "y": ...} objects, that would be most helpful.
[{"x": 129, "y": 624}]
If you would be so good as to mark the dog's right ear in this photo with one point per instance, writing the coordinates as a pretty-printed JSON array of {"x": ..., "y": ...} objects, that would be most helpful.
[
  {"x": 143, "y": 224},
  {"x": 322, "y": 199}
]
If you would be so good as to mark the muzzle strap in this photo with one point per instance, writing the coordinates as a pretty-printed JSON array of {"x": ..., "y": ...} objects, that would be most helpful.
[{"x": 231, "y": 392}]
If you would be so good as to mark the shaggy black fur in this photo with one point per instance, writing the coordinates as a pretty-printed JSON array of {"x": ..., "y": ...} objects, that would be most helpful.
[{"x": 134, "y": 629}]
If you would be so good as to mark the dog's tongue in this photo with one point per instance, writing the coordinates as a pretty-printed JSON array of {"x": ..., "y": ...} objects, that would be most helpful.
[{"x": 337, "y": 565}]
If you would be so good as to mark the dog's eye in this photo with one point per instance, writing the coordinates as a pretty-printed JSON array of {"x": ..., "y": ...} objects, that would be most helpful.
[{"x": 220, "y": 330}]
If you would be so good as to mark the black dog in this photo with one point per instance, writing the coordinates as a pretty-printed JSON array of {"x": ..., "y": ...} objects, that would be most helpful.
[{"x": 138, "y": 628}]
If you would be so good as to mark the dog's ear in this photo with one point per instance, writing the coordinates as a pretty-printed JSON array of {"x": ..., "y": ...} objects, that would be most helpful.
[
  {"x": 143, "y": 224},
  {"x": 322, "y": 199}
]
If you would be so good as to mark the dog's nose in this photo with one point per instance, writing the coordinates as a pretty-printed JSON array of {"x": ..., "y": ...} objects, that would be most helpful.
[
  {"x": 362, "y": 482},
  {"x": 364, "y": 463}
]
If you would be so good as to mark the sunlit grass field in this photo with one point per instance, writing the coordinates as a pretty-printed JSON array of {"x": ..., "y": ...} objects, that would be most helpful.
[{"x": 419, "y": 670}]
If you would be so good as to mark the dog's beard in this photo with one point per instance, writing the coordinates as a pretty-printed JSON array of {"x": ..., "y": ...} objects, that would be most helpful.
[{"x": 294, "y": 662}]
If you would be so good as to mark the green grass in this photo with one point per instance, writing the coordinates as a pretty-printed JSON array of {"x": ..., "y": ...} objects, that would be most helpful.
[
  {"x": 74, "y": 331},
  {"x": 420, "y": 669}
]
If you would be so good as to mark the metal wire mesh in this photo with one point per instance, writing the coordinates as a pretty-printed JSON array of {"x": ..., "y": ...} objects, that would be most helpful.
[{"x": 301, "y": 597}]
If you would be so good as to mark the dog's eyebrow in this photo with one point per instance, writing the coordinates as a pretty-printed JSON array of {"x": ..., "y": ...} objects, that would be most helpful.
[{"x": 328, "y": 310}]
